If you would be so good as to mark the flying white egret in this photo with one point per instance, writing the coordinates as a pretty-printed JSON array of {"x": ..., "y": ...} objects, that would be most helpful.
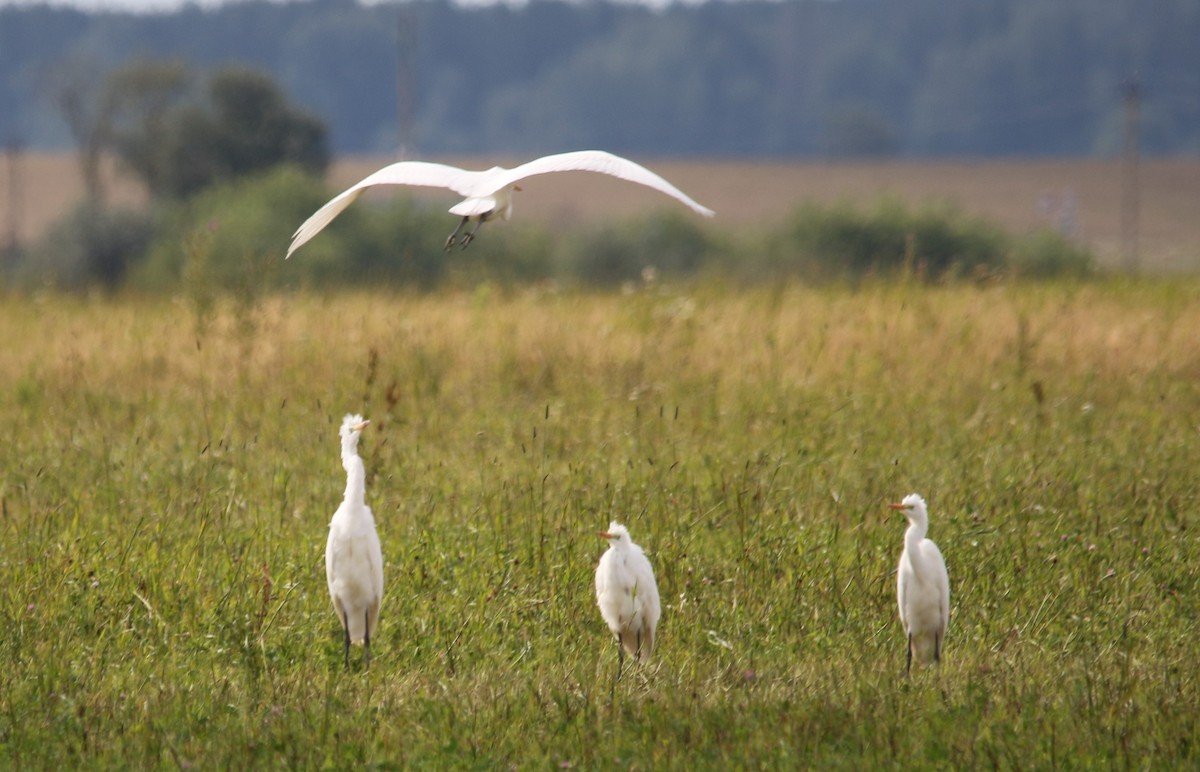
[
  {"x": 627, "y": 595},
  {"x": 922, "y": 585},
  {"x": 353, "y": 558},
  {"x": 488, "y": 193}
]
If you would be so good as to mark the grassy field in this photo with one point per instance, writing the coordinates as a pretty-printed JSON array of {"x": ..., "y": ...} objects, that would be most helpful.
[
  {"x": 1012, "y": 193},
  {"x": 169, "y": 473}
]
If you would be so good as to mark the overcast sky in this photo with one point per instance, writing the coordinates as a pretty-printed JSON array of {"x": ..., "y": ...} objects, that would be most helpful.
[
  {"x": 116, "y": 5},
  {"x": 170, "y": 5}
]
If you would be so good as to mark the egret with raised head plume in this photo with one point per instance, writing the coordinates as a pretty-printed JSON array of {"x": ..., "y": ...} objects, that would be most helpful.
[{"x": 627, "y": 595}]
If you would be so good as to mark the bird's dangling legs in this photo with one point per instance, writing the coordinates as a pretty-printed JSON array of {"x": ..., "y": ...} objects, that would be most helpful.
[
  {"x": 908, "y": 667},
  {"x": 470, "y": 236},
  {"x": 367, "y": 638},
  {"x": 453, "y": 236},
  {"x": 346, "y": 624}
]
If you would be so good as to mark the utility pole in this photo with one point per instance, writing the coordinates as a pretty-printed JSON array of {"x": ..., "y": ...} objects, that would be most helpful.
[
  {"x": 12, "y": 219},
  {"x": 406, "y": 78},
  {"x": 1131, "y": 97}
]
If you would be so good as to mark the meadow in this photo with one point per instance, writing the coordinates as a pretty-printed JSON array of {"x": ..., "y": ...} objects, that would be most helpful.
[{"x": 171, "y": 467}]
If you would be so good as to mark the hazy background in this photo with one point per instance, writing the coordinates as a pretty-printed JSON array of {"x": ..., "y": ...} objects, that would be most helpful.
[{"x": 811, "y": 78}]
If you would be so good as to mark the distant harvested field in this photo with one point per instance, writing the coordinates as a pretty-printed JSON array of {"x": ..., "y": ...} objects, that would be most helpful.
[{"x": 1016, "y": 194}]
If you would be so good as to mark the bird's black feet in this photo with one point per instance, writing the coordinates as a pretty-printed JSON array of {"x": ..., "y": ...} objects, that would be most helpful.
[{"x": 452, "y": 239}]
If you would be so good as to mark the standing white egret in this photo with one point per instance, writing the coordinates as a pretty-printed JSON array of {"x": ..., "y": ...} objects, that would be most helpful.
[
  {"x": 353, "y": 558},
  {"x": 627, "y": 595},
  {"x": 922, "y": 585},
  {"x": 488, "y": 192}
]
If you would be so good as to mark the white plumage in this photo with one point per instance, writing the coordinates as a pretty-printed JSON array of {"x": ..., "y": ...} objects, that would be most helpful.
[
  {"x": 488, "y": 192},
  {"x": 353, "y": 557},
  {"x": 922, "y": 585},
  {"x": 627, "y": 594}
]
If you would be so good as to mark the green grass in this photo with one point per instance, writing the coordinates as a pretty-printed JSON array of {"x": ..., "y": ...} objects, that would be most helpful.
[{"x": 166, "y": 482}]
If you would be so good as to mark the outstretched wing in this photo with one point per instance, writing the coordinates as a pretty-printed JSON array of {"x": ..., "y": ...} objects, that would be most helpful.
[
  {"x": 417, "y": 173},
  {"x": 592, "y": 161}
]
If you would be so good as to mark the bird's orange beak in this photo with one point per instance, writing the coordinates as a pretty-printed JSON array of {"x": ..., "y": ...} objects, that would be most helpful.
[
  {"x": 896, "y": 505},
  {"x": 360, "y": 427},
  {"x": 604, "y": 534}
]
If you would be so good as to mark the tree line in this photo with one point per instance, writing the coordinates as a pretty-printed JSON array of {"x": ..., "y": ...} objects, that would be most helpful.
[{"x": 796, "y": 78}]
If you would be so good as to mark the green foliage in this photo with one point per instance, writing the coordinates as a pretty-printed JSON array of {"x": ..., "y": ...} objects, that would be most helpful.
[
  {"x": 669, "y": 243},
  {"x": 142, "y": 101},
  {"x": 934, "y": 241},
  {"x": 1046, "y": 253},
  {"x": 91, "y": 247},
  {"x": 233, "y": 233},
  {"x": 810, "y": 77},
  {"x": 165, "y": 494},
  {"x": 234, "y": 236},
  {"x": 179, "y": 143}
]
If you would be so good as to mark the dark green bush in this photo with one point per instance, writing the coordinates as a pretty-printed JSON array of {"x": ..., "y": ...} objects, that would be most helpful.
[
  {"x": 242, "y": 230},
  {"x": 846, "y": 241},
  {"x": 236, "y": 229},
  {"x": 233, "y": 238},
  {"x": 92, "y": 246},
  {"x": 673, "y": 244},
  {"x": 239, "y": 233},
  {"x": 1046, "y": 254}
]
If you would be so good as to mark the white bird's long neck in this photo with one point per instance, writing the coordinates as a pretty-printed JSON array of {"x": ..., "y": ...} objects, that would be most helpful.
[
  {"x": 356, "y": 478},
  {"x": 912, "y": 542}
]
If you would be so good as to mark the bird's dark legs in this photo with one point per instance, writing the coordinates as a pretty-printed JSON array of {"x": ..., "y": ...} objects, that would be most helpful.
[
  {"x": 367, "y": 637},
  {"x": 937, "y": 649},
  {"x": 908, "y": 667},
  {"x": 469, "y": 237},
  {"x": 620, "y": 665},
  {"x": 453, "y": 236},
  {"x": 346, "y": 621}
]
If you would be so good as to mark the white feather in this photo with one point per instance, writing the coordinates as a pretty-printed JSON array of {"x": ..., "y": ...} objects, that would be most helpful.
[
  {"x": 922, "y": 584},
  {"x": 627, "y": 593},
  {"x": 353, "y": 556}
]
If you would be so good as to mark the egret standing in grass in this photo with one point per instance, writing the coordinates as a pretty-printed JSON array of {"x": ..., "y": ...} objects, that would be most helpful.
[
  {"x": 627, "y": 595},
  {"x": 353, "y": 558},
  {"x": 488, "y": 192},
  {"x": 922, "y": 585}
]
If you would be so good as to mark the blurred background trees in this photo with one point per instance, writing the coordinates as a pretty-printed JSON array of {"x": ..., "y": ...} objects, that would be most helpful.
[
  {"x": 228, "y": 117},
  {"x": 797, "y": 78}
]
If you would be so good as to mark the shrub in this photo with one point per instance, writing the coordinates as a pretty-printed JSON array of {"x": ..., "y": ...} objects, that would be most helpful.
[
  {"x": 236, "y": 228},
  {"x": 92, "y": 246},
  {"x": 846, "y": 241},
  {"x": 671, "y": 243},
  {"x": 1046, "y": 254}
]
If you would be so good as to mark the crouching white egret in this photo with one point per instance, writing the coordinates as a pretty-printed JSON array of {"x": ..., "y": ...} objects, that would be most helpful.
[
  {"x": 922, "y": 585},
  {"x": 627, "y": 595},
  {"x": 353, "y": 558},
  {"x": 488, "y": 192}
]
